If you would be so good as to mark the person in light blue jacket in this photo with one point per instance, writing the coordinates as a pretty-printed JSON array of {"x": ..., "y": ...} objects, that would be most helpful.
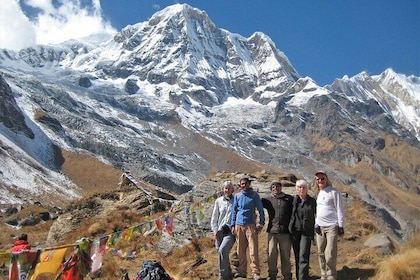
[{"x": 244, "y": 226}]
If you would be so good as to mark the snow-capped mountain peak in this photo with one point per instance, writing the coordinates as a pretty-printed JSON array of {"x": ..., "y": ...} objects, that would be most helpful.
[
  {"x": 175, "y": 98},
  {"x": 409, "y": 86}
]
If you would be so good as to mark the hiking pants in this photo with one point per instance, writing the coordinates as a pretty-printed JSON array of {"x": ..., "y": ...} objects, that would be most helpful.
[
  {"x": 302, "y": 250},
  {"x": 247, "y": 238},
  {"x": 279, "y": 242},
  {"x": 223, "y": 245},
  {"x": 327, "y": 252}
]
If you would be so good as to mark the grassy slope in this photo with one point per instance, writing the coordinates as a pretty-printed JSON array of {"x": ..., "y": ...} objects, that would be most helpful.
[{"x": 354, "y": 261}]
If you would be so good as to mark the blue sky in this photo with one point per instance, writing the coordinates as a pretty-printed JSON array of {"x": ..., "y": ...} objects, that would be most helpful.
[{"x": 322, "y": 39}]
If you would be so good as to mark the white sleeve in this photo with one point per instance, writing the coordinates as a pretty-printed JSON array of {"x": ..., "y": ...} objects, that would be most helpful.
[
  {"x": 340, "y": 208},
  {"x": 214, "y": 222}
]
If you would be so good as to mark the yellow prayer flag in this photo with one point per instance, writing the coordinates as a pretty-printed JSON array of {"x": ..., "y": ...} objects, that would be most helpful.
[{"x": 49, "y": 262}]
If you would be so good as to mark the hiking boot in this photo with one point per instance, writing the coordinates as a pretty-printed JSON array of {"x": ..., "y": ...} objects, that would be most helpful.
[{"x": 238, "y": 275}]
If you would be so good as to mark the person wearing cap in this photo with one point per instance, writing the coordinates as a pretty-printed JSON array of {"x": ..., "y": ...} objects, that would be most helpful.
[
  {"x": 21, "y": 244},
  {"x": 279, "y": 208},
  {"x": 243, "y": 224},
  {"x": 220, "y": 225},
  {"x": 302, "y": 228},
  {"x": 329, "y": 224}
]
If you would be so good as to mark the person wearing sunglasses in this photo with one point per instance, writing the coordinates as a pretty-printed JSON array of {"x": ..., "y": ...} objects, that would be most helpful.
[{"x": 329, "y": 224}]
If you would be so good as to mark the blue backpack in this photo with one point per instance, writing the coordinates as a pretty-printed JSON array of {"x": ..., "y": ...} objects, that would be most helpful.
[{"x": 152, "y": 270}]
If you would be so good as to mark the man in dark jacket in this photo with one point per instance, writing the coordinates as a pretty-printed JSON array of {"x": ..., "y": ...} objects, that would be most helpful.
[{"x": 279, "y": 208}]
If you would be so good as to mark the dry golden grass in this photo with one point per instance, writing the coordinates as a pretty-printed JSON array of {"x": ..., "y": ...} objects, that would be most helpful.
[
  {"x": 368, "y": 257},
  {"x": 413, "y": 241},
  {"x": 404, "y": 265},
  {"x": 363, "y": 223},
  {"x": 39, "y": 113},
  {"x": 90, "y": 174},
  {"x": 403, "y": 153}
]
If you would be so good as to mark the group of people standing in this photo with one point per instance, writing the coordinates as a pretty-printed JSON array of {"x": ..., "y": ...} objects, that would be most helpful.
[{"x": 293, "y": 222}]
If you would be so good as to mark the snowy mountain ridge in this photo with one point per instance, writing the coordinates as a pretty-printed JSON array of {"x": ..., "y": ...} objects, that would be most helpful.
[{"x": 176, "y": 98}]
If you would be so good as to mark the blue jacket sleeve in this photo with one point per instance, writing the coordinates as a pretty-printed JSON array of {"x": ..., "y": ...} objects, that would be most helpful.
[
  {"x": 260, "y": 208},
  {"x": 234, "y": 212}
]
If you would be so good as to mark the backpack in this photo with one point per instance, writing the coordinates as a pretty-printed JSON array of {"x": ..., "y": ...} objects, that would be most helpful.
[{"x": 152, "y": 270}]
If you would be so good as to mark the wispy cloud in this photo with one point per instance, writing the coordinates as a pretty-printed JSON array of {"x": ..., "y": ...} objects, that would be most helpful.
[{"x": 51, "y": 24}]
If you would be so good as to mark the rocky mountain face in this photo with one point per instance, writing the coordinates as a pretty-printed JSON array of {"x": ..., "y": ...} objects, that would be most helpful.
[{"x": 176, "y": 98}]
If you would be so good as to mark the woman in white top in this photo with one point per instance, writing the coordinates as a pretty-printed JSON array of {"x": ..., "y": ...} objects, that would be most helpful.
[{"x": 220, "y": 226}]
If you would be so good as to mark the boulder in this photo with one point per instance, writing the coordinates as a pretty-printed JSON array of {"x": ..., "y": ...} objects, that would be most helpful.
[
  {"x": 12, "y": 221},
  {"x": 11, "y": 210},
  {"x": 381, "y": 242},
  {"x": 45, "y": 216},
  {"x": 29, "y": 221},
  {"x": 85, "y": 82},
  {"x": 131, "y": 86}
]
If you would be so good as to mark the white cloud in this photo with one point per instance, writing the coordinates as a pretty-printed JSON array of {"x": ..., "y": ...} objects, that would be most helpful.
[
  {"x": 16, "y": 31},
  {"x": 51, "y": 25}
]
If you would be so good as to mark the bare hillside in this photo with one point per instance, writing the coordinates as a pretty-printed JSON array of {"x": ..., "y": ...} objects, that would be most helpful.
[{"x": 110, "y": 209}]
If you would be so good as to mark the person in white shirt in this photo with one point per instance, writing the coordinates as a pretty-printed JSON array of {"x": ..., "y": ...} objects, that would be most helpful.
[
  {"x": 220, "y": 226},
  {"x": 329, "y": 224}
]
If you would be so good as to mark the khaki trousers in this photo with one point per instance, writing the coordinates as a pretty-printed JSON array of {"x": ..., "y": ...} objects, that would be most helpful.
[
  {"x": 327, "y": 252},
  {"x": 279, "y": 244},
  {"x": 247, "y": 238}
]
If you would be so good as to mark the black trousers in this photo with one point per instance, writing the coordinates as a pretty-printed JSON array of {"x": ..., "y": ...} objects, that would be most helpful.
[{"x": 302, "y": 249}]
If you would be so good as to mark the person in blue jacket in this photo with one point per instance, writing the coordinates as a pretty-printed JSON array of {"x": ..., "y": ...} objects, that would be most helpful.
[{"x": 245, "y": 228}]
